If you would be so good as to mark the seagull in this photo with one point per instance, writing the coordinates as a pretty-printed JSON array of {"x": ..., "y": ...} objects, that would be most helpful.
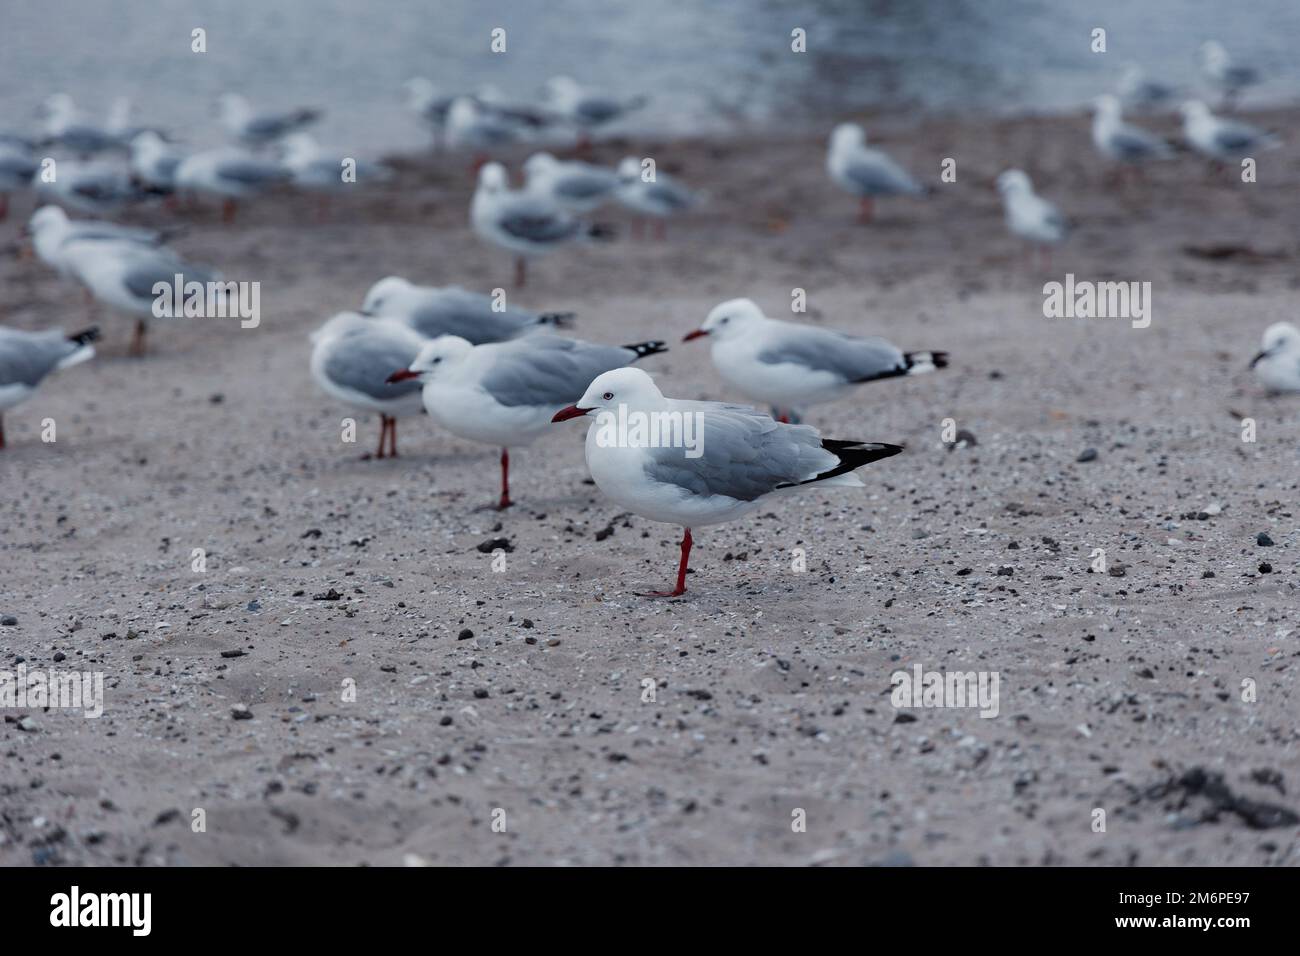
[
  {"x": 351, "y": 359},
  {"x": 259, "y": 129},
  {"x": 27, "y": 357},
  {"x": 1229, "y": 78},
  {"x": 745, "y": 458},
  {"x": 16, "y": 172},
  {"x": 790, "y": 366},
  {"x": 660, "y": 196},
  {"x": 315, "y": 170},
  {"x": 65, "y": 127},
  {"x": 575, "y": 185},
  {"x": 154, "y": 162},
  {"x": 470, "y": 126},
  {"x": 50, "y": 229},
  {"x": 423, "y": 99},
  {"x": 232, "y": 174},
  {"x": 1139, "y": 92},
  {"x": 1222, "y": 140},
  {"x": 866, "y": 172},
  {"x": 93, "y": 187},
  {"x": 505, "y": 393},
  {"x": 1278, "y": 361},
  {"x": 123, "y": 275},
  {"x": 522, "y": 222},
  {"x": 433, "y": 311},
  {"x": 1120, "y": 141},
  {"x": 586, "y": 109},
  {"x": 1028, "y": 215}
]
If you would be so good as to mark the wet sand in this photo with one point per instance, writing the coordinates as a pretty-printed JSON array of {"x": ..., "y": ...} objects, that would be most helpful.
[{"x": 773, "y": 687}]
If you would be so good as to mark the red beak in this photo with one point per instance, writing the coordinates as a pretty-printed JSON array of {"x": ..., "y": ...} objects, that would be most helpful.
[
  {"x": 698, "y": 333},
  {"x": 401, "y": 375},
  {"x": 573, "y": 411}
]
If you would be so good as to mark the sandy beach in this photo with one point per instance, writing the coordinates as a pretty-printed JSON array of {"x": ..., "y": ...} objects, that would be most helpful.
[{"x": 517, "y": 695}]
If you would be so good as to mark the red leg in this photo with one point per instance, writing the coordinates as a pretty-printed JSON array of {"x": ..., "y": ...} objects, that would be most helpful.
[
  {"x": 521, "y": 271},
  {"x": 137, "y": 339},
  {"x": 392, "y": 436},
  {"x": 661, "y": 230},
  {"x": 383, "y": 433},
  {"x": 505, "y": 501},
  {"x": 865, "y": 210},
  {"x": 2, "y": 431},
  {"x": 681, "y": 571},
  {"x": 4, "y": 205},
  {"x": 228, "y": 211}
]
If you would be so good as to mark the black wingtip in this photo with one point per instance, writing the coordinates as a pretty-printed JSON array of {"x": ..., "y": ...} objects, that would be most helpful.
[
  {"x": 561, "y": 320},
  {"x": 85, "y": 336},
  {"x": 601, "y": 231},
  {"x": 940, "y": 359},
  {"x": 642, "y": 349}
]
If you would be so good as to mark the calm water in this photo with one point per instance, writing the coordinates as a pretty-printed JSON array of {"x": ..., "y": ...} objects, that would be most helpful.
[{"x": 705, "y": 62}]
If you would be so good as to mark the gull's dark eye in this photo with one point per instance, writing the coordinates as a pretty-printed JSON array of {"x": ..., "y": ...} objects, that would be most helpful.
[
  {"x": 724, "y": 320},
  {"x": 437, "y": 360},
  {"x": 607, "y": 396}
]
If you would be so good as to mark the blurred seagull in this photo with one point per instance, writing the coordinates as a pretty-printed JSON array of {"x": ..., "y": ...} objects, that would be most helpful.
[
  {"x": 522, "y": 222},
  {"x": 1222, "y": 140},
  {"x": 744, "y": 460},
  {"x": 27, "y": 357},
  {"x": 506, "y": 393},
  {"x": 659, "y": 197},
  {"x": 231, "y": 174},
  {"x": 584, "y": 108},
  {"x": 1120, "y": 141},
  {"x": 64, "y": 126},
  {"x": 1140, "y": 93},
  {"x": 1229, "y": 78},
  {"x": 471, "y": 127},
  {"x": 123, "y": 276},
  {"x": 260, "y": 129},
  {"x": 351, "y": 359},
  {"x": 790, "y": 366},
  {"x": 154, "y": 162},
  {"x": 1278, "y": 361},
  {"x": 95, "y": 187},
  {"x": 1028, "y": 215},
  {"x": 424, "y": 99},
  {"x": 575, "y": 185},
  {"x": 433, "y": 311},
  {"x": 866, "y": 172}
]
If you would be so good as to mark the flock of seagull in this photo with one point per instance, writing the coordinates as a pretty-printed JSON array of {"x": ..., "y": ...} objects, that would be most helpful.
[{"x": 504, "y": 376}]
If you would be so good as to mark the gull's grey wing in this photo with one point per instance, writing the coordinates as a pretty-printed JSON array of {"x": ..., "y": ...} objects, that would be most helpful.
[
  {"x": 875, "y": 173},
  {"x": 748, "y": 454},
  {"x": 251, "y": 172},
  {"x": 27, "y": 357},
  {"x": 548, "y": 370},
  {"x": 1133, "y": 143},
  {"x": 823, "y": 350},
  {"x": 363, "y": 360},
  {"x": 94, "y": 229},
  {"x": 455, "y": 311},
  {"x": 17, "y": 165},
  {"x": 527, "y": 219},
  {"x": 670, "y": 193},
  {"x": 144, "y": 271},
  {"x": 598, "y": 109},
  {"x": 1233, "y": 136},
  {"x": 583, "y": 184}
]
